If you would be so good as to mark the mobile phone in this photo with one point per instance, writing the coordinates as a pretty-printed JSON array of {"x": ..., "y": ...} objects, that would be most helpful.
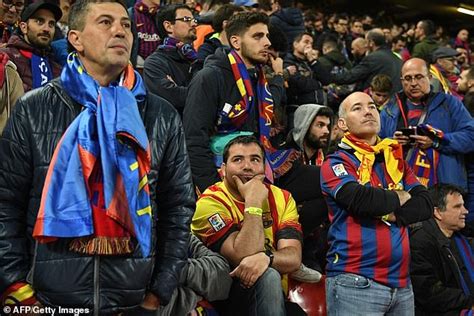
[{"x": 407, "y": 131}]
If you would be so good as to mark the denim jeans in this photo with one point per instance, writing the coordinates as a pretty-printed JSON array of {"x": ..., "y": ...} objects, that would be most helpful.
[
  {"x": 352, "y": 294},
  {"x": 265, "y": 298}
]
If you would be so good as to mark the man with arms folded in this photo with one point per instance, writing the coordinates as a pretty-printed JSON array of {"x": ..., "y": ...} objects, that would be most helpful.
[{"x": 372, "y": 195}]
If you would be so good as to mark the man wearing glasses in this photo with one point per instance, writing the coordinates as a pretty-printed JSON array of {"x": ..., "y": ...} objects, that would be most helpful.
[
  {"x": 30, "y": 50},
  {"x": 10, "y": 16},
  {"x": 435, "y": 128},
  {"x": 168, "y": 71}
]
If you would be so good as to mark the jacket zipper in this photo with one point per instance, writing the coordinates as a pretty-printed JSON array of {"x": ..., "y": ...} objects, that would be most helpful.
[{"x": 96, "y": 286}]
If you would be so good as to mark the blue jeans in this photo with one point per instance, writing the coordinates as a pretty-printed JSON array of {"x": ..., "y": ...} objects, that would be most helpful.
[
  {"x": 264, "y": 298},
  {"x": 352, "y": 294}
]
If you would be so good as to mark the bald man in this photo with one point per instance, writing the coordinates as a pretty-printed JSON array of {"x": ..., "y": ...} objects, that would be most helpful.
[
  {"x": 358, "y": 49},
  {"x": 444, "y": 128},
  {"x": 372, "y": 195}
]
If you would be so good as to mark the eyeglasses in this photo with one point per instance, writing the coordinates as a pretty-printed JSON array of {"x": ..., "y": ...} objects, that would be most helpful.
[
  {"x": 417, "y": 78},
  {"x": 18, "y": 5},
  {"x": 187, "y": 19}
]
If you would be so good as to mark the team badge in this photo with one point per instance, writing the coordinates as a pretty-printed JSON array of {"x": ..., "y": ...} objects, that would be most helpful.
[
  {"x": 216, "y": 222},
  {"x": 339, "y": 170}
]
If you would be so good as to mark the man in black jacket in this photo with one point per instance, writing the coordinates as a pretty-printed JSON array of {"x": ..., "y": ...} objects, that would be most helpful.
[
  {"x": 440, "y": 266},
  {"x": 380, "y": 60},
  {"x": 108, "y": 254},
  {"x": 214, "y": 93},
  {"x": 168, "y": 71}
]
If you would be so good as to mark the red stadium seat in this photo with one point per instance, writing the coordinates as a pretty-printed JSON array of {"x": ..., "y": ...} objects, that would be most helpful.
[{"x": 309, "y": 296}]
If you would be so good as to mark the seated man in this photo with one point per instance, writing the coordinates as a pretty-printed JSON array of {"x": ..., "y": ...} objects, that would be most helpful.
[
  {"x": 254, "y": 226},
  {"x": 441, "y": 271}
]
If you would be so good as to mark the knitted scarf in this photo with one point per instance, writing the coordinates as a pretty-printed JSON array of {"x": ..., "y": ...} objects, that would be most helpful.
[
  {"x": 467, "y": 257},
  {"x": 392, "y": 152},
  {"x": 144, "y": 20},
  {"x": 185, "y": 50},
  {"x": 105, "y": 150},
  {"x": 277, "y": 162},
  {"x": 424, "y": 162}
]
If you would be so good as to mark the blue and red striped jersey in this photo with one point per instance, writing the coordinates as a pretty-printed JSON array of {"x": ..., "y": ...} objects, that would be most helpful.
[{"x": 365, "y": 246}]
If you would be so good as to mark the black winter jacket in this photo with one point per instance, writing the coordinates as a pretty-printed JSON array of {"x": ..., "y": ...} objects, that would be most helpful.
[
  {"x": 163, "y": 63},
  {"x": 59, "y": 276},
  {"x": 382, "y": 61},
  {"x": 290, "y": 21},
  {"x": 434, "y": 273},
  {"x": 209, "y": 91}
]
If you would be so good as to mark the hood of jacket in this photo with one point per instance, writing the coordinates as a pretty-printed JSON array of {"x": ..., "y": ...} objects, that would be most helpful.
[
  {"x": 219, "y": 59},
  {"x": 292, "y": 16},
  {"x": 304, "y": 116}
]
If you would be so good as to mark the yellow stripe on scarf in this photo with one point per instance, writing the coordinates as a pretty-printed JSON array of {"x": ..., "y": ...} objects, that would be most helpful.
[{"x": 367, "y": 159}]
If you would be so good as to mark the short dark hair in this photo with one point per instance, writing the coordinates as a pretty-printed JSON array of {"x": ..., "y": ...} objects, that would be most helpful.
[
  {"x": 265, "y": 5},
  {"x": 399, "y": 38},
  {"x": 244, "y": 140},
  {"x": 79, "y": 10},
  {"x": 168, "y": 13},
  {"x": 222, "y": 14},
  {"x": 330, "y": 43},
  {"x": 239, "y": 23},
  {"x": 376, "y": 37},
  {"x": 326, "y": 111},
  {"x": 439, "y": 193},
  {"x": 300, "y": 36},
  {"x": 428, "y": 27},
  {"x": 381, "y": 83}
]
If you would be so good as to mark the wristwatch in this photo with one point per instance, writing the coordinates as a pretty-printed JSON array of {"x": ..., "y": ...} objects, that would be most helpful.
[{"x": 270, "y": 255}]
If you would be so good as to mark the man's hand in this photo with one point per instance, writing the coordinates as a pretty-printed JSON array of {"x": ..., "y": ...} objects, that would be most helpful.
[
  {"x": 251, "y": 268},
  {"x": 253, "y": 191},
  {"x": 403, "y": 196},
  {"x": 402, "y": 139},
  {"x": 277, "y": 64},
  {"x": 424, "y": 142},
  {"x": 310, "y": 54},
  {"x": 150, "y": 302},
  {"x": 292, "y": 69}
]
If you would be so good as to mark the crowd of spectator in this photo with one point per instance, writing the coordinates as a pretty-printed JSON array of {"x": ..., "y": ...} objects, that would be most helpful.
[{"x": 317, "y": 143}]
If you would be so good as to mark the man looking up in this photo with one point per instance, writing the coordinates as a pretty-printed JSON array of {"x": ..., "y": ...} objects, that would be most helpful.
[
  {"x": 31, "y": 50},
  {"x": 112, "y": 156},
  {"x": 254, "y": 226},
  {"x": 372, "y": 195}
]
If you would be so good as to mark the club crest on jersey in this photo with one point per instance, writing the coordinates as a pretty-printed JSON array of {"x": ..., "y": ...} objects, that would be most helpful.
[
  {"x": 339, "y": 170},
  {"x": 216, "y": 222}
]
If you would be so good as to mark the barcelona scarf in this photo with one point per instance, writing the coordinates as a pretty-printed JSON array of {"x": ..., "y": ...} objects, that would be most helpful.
[
  {"x": 108, "y": 136},
  {"x": 392, "y": 152},
  {"x": 424, "y": 162},
  {"x": 277, "y": 162}
]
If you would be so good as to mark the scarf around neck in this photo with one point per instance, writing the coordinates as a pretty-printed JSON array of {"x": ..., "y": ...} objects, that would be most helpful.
[
  {"x": 392, "y": 152},
  {"x": 107, "y": 135},
  {"x": 277, "y": 162},
  {"x": 185, "y": 50}
]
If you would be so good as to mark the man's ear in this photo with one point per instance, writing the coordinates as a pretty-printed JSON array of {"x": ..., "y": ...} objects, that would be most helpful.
[
  {"x": 341, "y": 123},
  {"x": 74, "y": 37},
  {"x": 437, "y": 214},
  {"x": 235, "y": 42},
  {"x": 223, "y": 169},
  {"x": 23, "y": 27},
  {"x": 168, "y": 26}
]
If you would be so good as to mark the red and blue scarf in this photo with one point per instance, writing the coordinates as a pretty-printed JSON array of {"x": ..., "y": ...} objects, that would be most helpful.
[
  {"x": 187, "y": 51},
  {"x": 278, "y": 162},
  {"x": 424, "y": 162},
  {"x": 104, "y": 150},
  {"x": 467, "y": 257}
]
